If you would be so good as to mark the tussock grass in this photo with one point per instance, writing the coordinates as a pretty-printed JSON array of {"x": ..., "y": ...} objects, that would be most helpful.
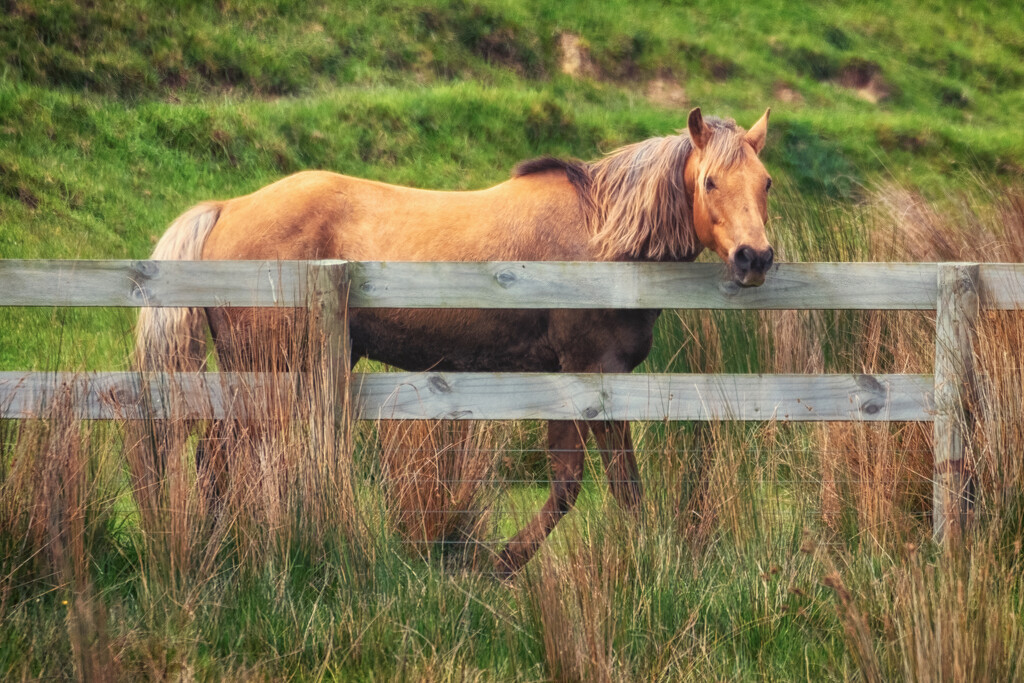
[{"x": 440, "y": 479}]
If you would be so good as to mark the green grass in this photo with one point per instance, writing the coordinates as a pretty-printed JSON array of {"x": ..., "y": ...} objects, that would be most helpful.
[{"x": 115, "y": 117}]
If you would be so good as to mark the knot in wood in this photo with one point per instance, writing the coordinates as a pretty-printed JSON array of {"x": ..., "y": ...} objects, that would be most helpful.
[
  {"x": 872, "y": 406},
  {"x": 506, "y": 278},
  {"x": 139, "y": 274},
  {"x": 439, "y": 384}
]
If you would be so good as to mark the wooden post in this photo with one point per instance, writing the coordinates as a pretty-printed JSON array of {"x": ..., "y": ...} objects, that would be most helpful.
[
  {"x": 328, "y": 288},
  {"x": 955, "y": 396}
]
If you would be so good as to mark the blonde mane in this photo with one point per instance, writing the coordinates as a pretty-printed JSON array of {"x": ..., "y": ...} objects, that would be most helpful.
[{"x": 639, "y": 209}]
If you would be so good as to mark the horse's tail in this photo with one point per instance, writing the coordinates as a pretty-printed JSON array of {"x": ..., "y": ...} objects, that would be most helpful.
[{"x": 171, "y": 339}]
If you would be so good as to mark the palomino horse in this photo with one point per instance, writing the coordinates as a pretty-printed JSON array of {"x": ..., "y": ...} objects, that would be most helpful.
[{"x": 663, "y": 199}]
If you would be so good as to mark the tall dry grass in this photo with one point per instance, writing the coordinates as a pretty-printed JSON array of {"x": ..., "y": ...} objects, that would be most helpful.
[
  {"x": 877, "y": 475},
  {"x": 440, "y": 481},
  {"x": 571, "y": 599},
  {"x": 56, "y": 494},
  {"x": 934, "y": 616},
  {"x": 989, "y": 230},
  {"x": 950, "y": 614},
  {"x": 277, "y": 476},
  {"x": 196, "y": 502}
]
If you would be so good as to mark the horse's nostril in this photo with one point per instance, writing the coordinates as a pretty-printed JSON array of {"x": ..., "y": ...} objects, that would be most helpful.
[
  {"x": 769, "y": 258},
  {"x": 743, "y": 258}
]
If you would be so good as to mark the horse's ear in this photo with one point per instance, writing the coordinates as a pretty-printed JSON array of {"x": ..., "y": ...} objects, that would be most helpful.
[
  {"x": 700, "y": 132},
  {"x": 758, "y": 132}
]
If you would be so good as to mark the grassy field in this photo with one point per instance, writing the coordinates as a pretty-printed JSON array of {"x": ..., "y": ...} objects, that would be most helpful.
[{"x": 763, "y": 551}]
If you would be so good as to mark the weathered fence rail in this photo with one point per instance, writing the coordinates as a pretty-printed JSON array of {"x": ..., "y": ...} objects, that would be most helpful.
[
  {"x": 955, "y": 291},
  {"x": 492, "y": 396},
  {"x": 850, "y": 286}
]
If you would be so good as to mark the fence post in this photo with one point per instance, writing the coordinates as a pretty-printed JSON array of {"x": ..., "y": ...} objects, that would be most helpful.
[
  {"x": 955, "y": 396},
  {"x": 328, "y": 288}
]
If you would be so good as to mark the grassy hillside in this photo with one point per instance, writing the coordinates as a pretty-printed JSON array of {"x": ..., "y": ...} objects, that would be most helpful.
[{"x": 763, "y": 551}]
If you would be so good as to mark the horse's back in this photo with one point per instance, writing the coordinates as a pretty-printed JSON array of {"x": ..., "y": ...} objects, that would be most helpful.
[{"x": 319, "y": 214}]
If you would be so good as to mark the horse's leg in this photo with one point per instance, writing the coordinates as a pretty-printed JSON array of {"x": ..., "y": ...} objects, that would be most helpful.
[
  {"x": 566, "y": 450},
  {"x": 616, "y": 446}
]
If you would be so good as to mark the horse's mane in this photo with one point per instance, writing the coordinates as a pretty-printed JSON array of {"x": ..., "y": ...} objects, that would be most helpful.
[
  {"x": 635, "y": 197},
  {"x": 575, "y": 170}
]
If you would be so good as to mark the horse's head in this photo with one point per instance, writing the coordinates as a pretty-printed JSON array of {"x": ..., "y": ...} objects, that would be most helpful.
[{"x": 730, "y": 196}]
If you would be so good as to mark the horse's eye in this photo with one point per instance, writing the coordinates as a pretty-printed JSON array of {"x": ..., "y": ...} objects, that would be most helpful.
[
  {"x": 768, "y": 185},
  {"x": 709, "y": 184}
]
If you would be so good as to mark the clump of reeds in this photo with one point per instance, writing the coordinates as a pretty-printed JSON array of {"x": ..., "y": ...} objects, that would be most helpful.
[
  {"x": 439, "y": 477},
  {"x": 273, "y": 472},
  {"x": 951, "y": 616},
  {"x": 54, "y": 500},
  {"x": 572, "y": 597},
  {"x": 250, "y": 480}
]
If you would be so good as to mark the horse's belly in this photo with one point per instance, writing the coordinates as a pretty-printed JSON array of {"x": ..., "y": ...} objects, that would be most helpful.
[{"x": 455, "y": 339}]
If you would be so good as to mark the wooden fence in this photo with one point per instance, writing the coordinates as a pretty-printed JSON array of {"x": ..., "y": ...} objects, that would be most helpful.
[{"x": 955, "y": 291}]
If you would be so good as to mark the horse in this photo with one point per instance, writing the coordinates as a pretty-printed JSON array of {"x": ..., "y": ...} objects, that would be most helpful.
[{"x": 662, "y": 199}]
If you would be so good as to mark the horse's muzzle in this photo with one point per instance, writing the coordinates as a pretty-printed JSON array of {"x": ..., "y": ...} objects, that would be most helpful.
[{"x": 749, "y": 266}]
